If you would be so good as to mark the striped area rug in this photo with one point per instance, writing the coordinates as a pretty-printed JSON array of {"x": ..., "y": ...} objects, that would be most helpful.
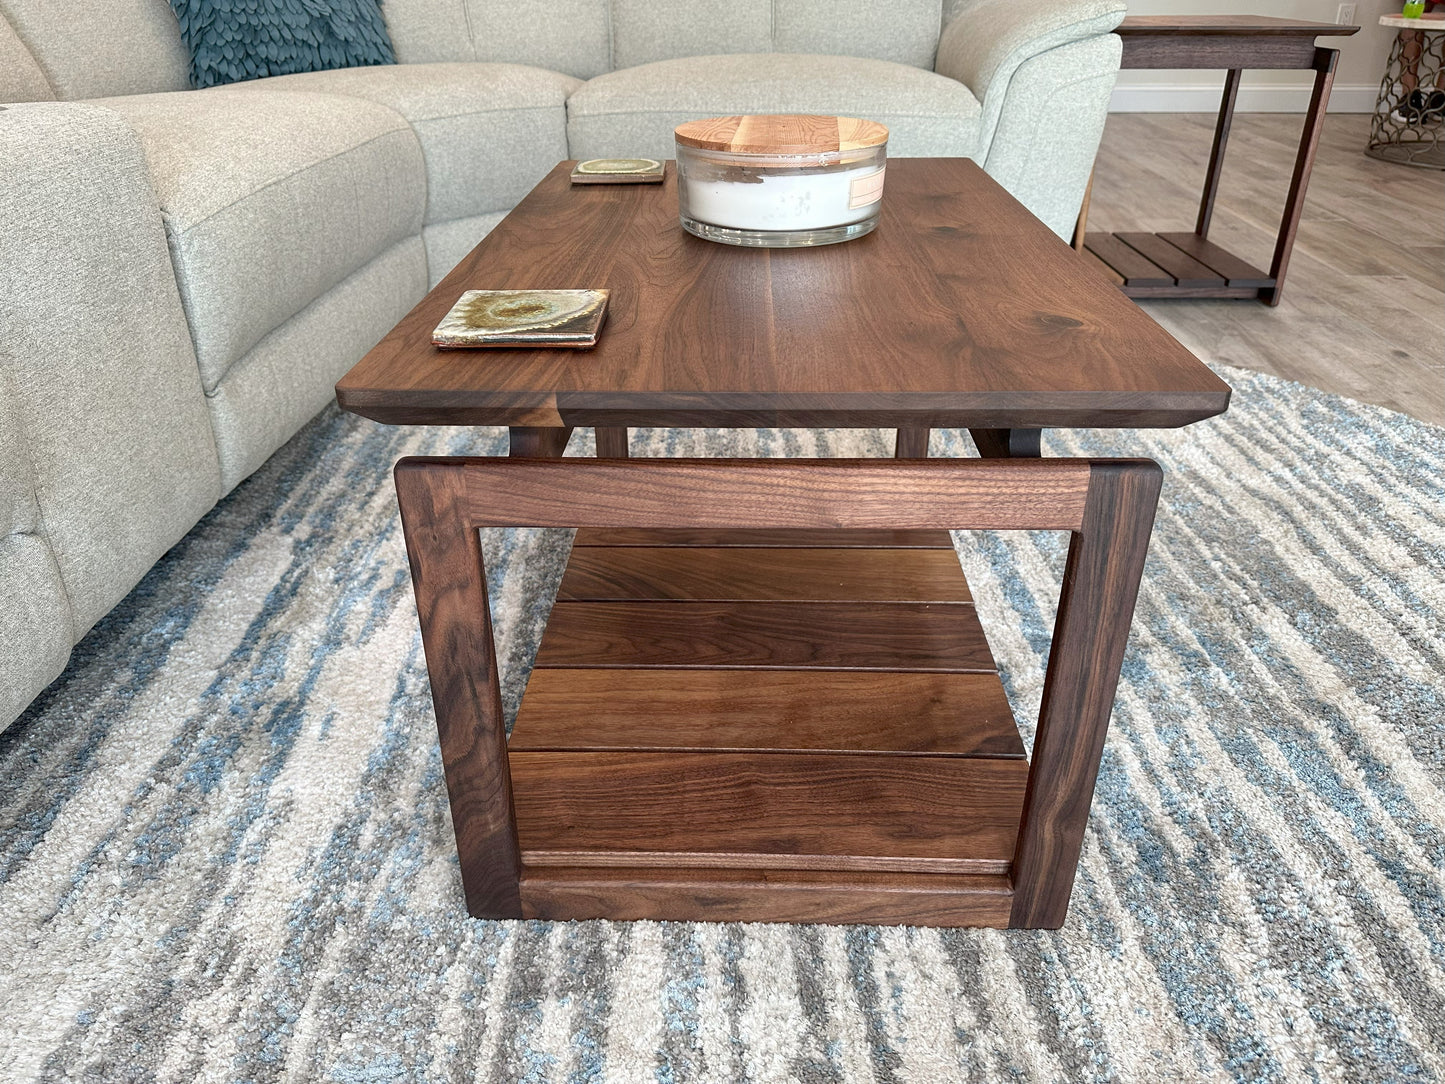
[{"x": 225, "y": 851}]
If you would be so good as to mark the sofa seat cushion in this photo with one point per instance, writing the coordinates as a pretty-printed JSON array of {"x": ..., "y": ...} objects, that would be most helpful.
[
  {"x": 489, "y": 132},
  {"x": 270, "y": 198},
  {"x": 633, "y": 111}
]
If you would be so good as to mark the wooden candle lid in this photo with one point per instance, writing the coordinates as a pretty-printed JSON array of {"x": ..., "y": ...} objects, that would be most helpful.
[{"x": 781, "y": 134}]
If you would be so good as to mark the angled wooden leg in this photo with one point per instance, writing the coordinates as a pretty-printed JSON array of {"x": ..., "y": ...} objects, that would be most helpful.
[
  {"x": 1294, "y": 205},
  {"x": 1007, "y": 443},
  {"x": 539, "y": 441},
  {"x": 1101, "y": 583},
  {"x": 445, "y": 554},
  {"x": 911, "y": 444},
  {"x": 611, "y": 442},
  {"x": 1216, "y": 153}
]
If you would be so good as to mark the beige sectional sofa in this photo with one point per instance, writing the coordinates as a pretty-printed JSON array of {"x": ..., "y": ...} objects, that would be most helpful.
[{"x": 184, "y": 274}]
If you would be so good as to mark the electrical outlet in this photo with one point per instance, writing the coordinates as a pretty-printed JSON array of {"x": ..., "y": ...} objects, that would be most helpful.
[{"x": 1346, "y": 15}]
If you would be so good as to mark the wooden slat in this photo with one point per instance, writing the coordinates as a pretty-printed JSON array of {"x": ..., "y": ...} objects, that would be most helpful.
[
  {"x": 752, "y": 896},
  {"x": 1101, "y": 267},
  {"x": 817, "y": 810},
  {"x": 766, "y": 635},
  {"x": 1236, "y": 272},
  {"x": 799, "y": 539},
  {"x": 772, "y": 711},
  {"x": 1135, "y": 269},
  {"x": 1043, "y": 494},
  {"x": 801, "y": 575},
  {"x": 1185, "y": 269}
]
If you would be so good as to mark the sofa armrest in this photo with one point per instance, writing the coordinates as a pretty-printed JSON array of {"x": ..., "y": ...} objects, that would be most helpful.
[{"x": 988, "y": 40}]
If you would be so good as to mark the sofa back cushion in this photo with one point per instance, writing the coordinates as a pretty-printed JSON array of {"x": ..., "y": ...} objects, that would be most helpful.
[
  {"x": 586, "y": 38},
  {"x": 905, "y": 31},
  {"x": 92, "y": 50},
  {"x": 21, "y": 79}
]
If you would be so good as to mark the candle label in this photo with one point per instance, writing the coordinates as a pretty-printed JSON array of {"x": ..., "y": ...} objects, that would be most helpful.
[{"x": 865, "y": 190}]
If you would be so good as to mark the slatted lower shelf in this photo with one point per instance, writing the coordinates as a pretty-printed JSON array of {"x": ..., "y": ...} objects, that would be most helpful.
[
  {"x": 717, "y": 727},
  {"x": 1162, "y": 265}
]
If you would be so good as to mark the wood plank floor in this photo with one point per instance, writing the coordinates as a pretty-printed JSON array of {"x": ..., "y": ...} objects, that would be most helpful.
[{"x": 1364, "y": 303}]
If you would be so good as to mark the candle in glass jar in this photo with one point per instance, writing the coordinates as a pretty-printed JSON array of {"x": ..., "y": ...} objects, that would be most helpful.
[
  {"x": 780, "y": 181},
  {"x": 787, "y": 201}
]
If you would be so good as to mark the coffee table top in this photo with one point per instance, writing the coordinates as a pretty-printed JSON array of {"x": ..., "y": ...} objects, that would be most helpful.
[{"x": 960, "y": 309}]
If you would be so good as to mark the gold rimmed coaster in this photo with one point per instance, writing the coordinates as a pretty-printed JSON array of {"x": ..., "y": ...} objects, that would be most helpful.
[
  {"x": 564, "y": 318},
  {"x": 618, "y": 171}
]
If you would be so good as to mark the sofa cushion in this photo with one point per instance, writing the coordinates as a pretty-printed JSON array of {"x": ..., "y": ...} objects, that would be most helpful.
[
  {"x": 645, "y": 31},
  {"x": 270, "y": 198},
  {"x": 488, "y": 132},
  {"x": 568, "y": 36},
  {"x": 231, "y": 43},
  {"x": 91, "y": 49},
  {"x": 633, "y": 112},
  {"x": 101, "y": 374},
  {"x": 21, "y": 79}
]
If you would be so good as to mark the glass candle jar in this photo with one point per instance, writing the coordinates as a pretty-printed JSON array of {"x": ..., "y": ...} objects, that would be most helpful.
[{"x": 780, "y": 181}]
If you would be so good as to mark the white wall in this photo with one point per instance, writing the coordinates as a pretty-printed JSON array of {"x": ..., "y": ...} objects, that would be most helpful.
[{"x": 1357, "y": 80}]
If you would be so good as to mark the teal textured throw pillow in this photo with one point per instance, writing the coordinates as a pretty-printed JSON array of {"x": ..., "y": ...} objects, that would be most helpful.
[{"x": 234, "y": 40}]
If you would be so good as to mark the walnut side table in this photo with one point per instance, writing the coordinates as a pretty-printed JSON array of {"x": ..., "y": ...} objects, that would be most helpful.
[{"x": 1181, "y": 264}]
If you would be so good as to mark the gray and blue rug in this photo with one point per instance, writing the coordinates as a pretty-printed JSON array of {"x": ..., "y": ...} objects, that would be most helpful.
[{"x": 225, "y": 851}]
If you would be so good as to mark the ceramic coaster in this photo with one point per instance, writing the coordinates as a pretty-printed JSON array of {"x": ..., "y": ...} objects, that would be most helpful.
[
  {"x": 618, "y": 171},
  {"x": 569, "y": 318}
]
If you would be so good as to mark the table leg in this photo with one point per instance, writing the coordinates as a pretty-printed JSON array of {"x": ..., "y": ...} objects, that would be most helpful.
[
  {"x": 1216, "y": 154},
  {"x": 1325, "y": 63},
  {"x": 539, "y": 441},
  {"x": 1101, "y": 582},
  {"x": 611, "y": 442},
  {"x": 451, "y": 600},
  {"x": 1081, "y": 224},
  {"x": 1007, "y": 443}
]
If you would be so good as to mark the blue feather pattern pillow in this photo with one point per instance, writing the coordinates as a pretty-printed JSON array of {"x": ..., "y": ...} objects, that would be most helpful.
[{"x": 231, "y": 41}]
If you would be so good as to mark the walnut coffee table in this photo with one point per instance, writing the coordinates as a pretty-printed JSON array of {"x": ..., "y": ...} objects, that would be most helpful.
[{"x": 763, "y": 692}]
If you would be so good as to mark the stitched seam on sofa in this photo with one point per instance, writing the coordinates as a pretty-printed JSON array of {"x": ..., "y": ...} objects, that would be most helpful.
[
  {"x": 414, "y": 121},
  {"x": 406, "y": 130}
]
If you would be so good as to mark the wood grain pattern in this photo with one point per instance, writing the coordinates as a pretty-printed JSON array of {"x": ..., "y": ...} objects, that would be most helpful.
[
  {"x": 783, "y": 133},
  {"x": 748, "y": 896},
  {"x": 779, "y": 710},
  {"x": 1101, "y": 582},
  {"x": 789, "y": 539},
  {"x": 843, "y": 810},
  {"x": 766, "y": 635},
  {"x": 763, "y": 575},
  {"x": 1046, "y": 494},
  {"x": 960, "y": 309},
  {"x": 451, "y": 601}
]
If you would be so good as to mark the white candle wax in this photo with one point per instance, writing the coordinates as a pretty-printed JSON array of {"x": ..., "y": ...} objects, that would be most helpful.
[{"x": 806, "y": 201}]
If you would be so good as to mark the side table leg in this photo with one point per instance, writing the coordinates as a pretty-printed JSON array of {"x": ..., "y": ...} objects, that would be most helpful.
[
  {"x": 445, "y": 554},
  {"x": 1325, "y": 63},
  {"x": 1216, "y": 153},
  {"x": 1101, "y": 583},
  {"x": 539, "y": 441}
]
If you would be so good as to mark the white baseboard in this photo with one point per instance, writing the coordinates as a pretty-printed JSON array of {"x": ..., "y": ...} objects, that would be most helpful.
[{"x": 1193, "y": 98}]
